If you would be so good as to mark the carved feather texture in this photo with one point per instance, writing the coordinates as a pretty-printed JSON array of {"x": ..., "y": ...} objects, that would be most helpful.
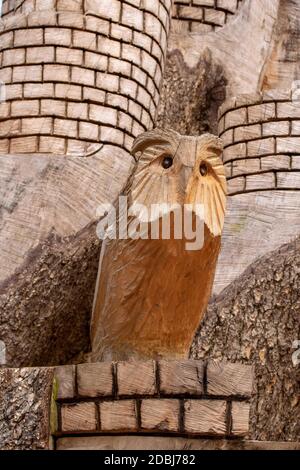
[
  {"x": 183, "y": 182},
  {"x": 209, "y": 190}
]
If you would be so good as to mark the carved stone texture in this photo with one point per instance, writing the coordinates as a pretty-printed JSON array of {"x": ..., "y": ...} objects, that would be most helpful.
[
  {"x": 151, "y": 308},
  {"x": 78, "y": 417},
  {"x": 154, "y": 397},
  {"x": 202, "y": 16},
  {"x": 181, "y": 377},
  {"x": 94, "y": 380},
  {"x": 136, "y": 380},
  {"x": 255, "y": 320},
  {"x": 160, "y": 415},
  {"x": 205, "y": 417},
  {"x": 25, "y": 396},
  {"x": 73, "y": 78},
  {"x": 118, "y": 416}
]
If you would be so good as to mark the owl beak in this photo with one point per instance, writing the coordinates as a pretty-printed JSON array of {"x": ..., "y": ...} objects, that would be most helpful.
[
  {"x": 185, "y": 175},
  {"x": 192, "y": 183},
  {"x": 187, "y": 150}
]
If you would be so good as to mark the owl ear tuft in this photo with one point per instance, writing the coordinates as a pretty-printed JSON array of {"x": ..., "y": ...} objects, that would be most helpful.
[
  {"x": 155, "y": 137},
  {"x": 211, "y": 143}
]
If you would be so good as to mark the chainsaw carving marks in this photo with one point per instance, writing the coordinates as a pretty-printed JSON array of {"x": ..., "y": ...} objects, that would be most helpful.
[{"x": 158, "y": 290}]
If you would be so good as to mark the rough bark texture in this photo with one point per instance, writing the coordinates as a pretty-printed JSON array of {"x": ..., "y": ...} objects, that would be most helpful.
[
  {"x": 56, "y": 286},
  {"x": 256, "y": 320},
  {"x": 191, "y": 95},
  {"x": 25, "y": 397}
]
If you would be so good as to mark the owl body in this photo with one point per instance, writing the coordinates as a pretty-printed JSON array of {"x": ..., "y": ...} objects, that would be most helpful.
[{"x": 152, "y": 293}]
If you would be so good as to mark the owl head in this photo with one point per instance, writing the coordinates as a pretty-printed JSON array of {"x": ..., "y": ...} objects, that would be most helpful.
[{"x": 176, "y": 169}]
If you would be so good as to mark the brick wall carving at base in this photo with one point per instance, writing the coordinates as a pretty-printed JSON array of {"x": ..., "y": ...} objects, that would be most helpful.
[
  {"x": 162, "y": 397},
  {"x": 167, "y": 398}
]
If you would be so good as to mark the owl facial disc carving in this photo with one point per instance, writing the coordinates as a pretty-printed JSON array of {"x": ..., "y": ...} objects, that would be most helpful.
[{"x": 151, "y": 294}]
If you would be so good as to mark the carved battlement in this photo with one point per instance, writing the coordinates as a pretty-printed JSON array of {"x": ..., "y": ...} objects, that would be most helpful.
[
  {"x": 202, "y": 16},
  {"x": 79, "y": 73},
  {"x": 261, "y": 135}
]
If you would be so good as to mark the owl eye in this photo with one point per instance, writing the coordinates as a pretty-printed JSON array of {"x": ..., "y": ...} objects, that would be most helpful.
[
  {"x": 203, "y": 169},
  {"x": 167, "y": 162}
]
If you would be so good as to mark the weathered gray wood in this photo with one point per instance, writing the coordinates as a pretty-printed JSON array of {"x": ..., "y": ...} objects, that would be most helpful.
[
  {"x": 118, "y": 416},
  {"x": 79, "y": 417},
  {"x": 255, "y": 224},
  {"x": 160, "y": 415},
  {"x": 205, "y": 417},
  {"x": 65, "y": 377},
  {"x": 229, "y": 379},
  {"x": 94, "y": 380},
  {"x": 25, "y": 397},
  {"x": 49, "y": 249},
  {"x": 136, "y": 378},
  {"x": 181, "y": 377}
]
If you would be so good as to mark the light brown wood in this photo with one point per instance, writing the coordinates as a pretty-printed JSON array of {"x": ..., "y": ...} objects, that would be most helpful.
[{"x": 151, "y": 294}]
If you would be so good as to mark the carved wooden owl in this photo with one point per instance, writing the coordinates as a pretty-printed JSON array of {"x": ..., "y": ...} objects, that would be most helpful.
[{"x": 151, "y": 294}]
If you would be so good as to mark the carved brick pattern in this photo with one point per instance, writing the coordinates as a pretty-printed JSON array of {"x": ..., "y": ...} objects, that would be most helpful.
[
  {"x": 202, "y": 16},
  {"x": 149, "y": 397},
  {"x": 261, "y": 135},
  {"x": 91, "y": 78},
  {"x": 10, "y": 7}
]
